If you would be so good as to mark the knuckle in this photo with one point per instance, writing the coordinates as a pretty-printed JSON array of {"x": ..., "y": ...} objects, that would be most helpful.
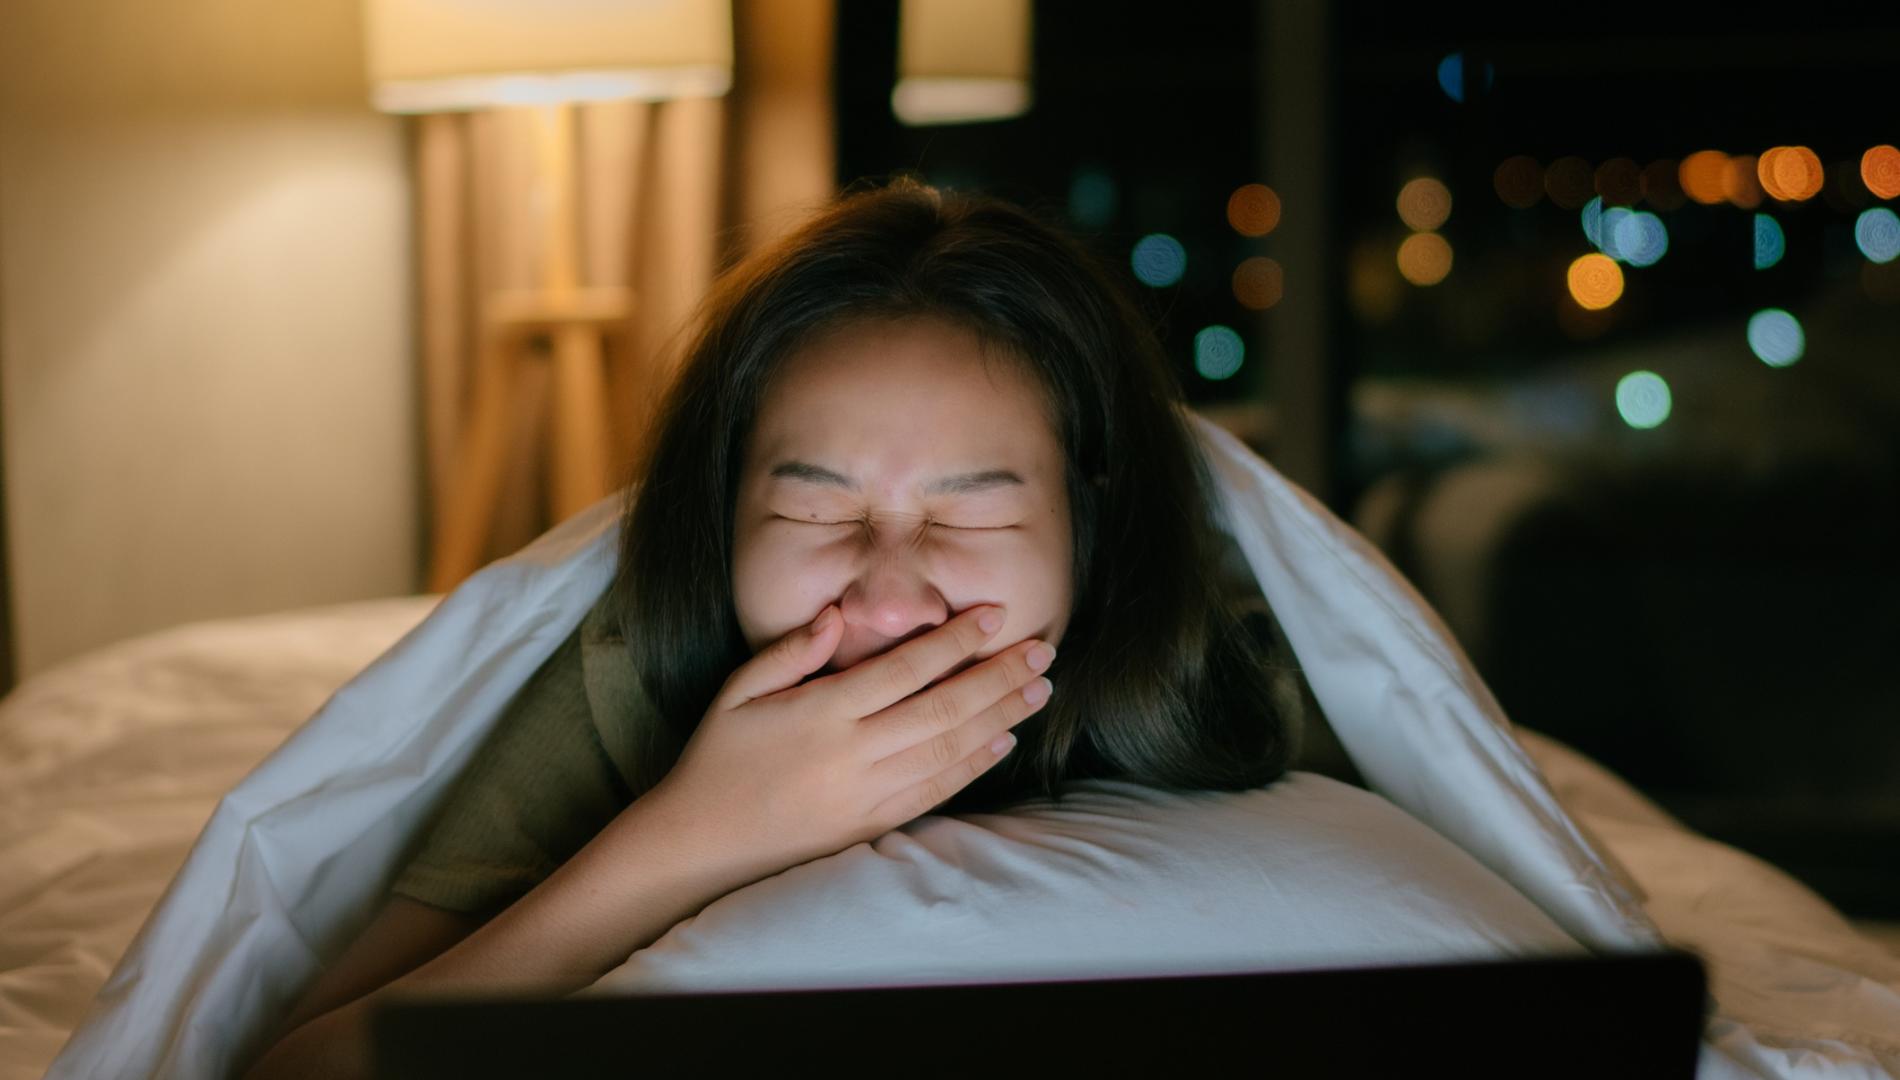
[
  {"x": 944, "y": 750},
  {"x": 900, "y": 673},
  {"x": 930, "y": 793},
  {"x": 787, "y": 648},
  {"x": 976, "y": 765},
  {"x": 943, "y": 711},
  {"x": 1010, "y": 674}
]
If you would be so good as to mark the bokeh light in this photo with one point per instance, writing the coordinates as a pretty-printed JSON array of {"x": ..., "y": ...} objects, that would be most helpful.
[
  {"x": 1570, "y": 182},
  {"x": 1159, "y": 260},
  {"x": 1259, "y": 283},
  {"x": 1776, "y": 337},
  {"x": 1619, "y": 181},
  {"x": 1881, "y": 281},
  {"x": 1519, "y": 181},
  {"x": 1790, "y": 173},
  {"x": 1641, "y": 238},
  {"x": 1642, "y": 399},
  {"x": 1702, "y": 176},
  {"x": 1880, "y": 171},
  {"x": 1662, "y": 188},
  {"x": 1740, "y": 185},
  {"x": 1844, "y": 193},
  {"x": 1770, "y": 243},
  {"x": 1253, "y": 209},
  {"x": 1595, "y": 281},
  {"x": 1877, "y": 234},
  {"x": 1607, "y": 231},
  {"x": 1637, "y": 237},
  {"x": 1592, "y": 221},
  {"x": 1218, "y": 352},
  {"x": 1372, "y": 285},
  {"x": 1424, "y": 204},
  {"x": 1451, "y": 76},
  {"x": 1092, "y": 198},
  {"x": 1425, "y": 258}
]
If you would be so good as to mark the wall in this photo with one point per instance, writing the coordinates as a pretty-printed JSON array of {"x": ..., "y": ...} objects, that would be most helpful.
[{"x": 206, "y": 382}]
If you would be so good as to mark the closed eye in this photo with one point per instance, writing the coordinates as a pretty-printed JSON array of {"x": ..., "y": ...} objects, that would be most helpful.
[{"x": 934, "y": 524}]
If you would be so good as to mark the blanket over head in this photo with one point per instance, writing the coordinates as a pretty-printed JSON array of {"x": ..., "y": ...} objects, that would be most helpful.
[{"x": 295, "y": 857}]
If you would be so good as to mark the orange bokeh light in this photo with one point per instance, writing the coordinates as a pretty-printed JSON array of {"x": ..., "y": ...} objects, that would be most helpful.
[
  {"x": 1259, "y": 282},
  {"x": 1880, "y": 171},
  {"x": 1570, "y": 181},
  {"x": 1519, "y": 181},
  {"x": 1253, "y": 209},
  {"x": 1425, "y": 258},
  {"x": 1619, "y": 181},
  {"x": 1595, "y": 281},
  {"x": 1790, "y": 173},
  {"x": 1424, "y": 204},
  {"x": 1662, "y": 188},
  {"x": 1739, "y": 183},
  {"x": 1703, "y": 176}
]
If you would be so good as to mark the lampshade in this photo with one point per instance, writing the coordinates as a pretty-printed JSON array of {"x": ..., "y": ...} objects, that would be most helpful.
[
  {"x": 962, "y": 60},
  {"x": 440, "y": 55}
]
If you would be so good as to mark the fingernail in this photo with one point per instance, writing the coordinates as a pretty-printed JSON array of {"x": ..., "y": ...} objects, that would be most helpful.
[
  {"x": 1038, "y": 691},
  {"x": 824, "y": 621},
  {"x": 1040, "y": 656},
  {"x": 991, "y": 621},
  {"x": 1002, "y": 743}
]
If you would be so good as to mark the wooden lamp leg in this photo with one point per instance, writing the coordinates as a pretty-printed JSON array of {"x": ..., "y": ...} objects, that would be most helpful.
[
  {"x": 578, "y": 458},
  {"x": 469, "y": 506}
]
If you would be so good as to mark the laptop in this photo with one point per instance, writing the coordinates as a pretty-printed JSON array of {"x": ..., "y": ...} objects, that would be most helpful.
[{"x": 1632, "y": 1015}]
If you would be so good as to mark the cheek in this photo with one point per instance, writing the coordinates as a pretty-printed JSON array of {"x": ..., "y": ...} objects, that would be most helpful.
[
  {"x": 780, "y": 582},
  {"x": 1030, "y": 574}
]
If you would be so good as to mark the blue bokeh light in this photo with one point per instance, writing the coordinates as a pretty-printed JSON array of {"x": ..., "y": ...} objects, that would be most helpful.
[
  {"x": 1608, "y": 232},
  {"x": 1877, "y": 234},
  {"x": 1641, "y": 238},
  {"x": 1451, "y": 76},
  {"x": 1642, "y": 399},
  {"x": 1776, "y": 337},
  {"x": 1093, "y": 196},
  {"x": 1770, "y": 243},
  {"x": 1637, "y": 237},
  {"x": 1218, "y": 352},
  {"x": 1159, "y": 260}
]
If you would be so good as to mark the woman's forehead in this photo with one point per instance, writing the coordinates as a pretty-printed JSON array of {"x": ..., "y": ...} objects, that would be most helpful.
[{"x": 904, "y": 396}]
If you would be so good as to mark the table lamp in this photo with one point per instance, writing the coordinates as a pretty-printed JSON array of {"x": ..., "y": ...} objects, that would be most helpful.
[
  {"x": 455, "y": 55},
  {"x": 962, "y": 61}
]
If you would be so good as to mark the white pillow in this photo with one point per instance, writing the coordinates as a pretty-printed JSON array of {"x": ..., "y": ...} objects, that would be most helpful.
[{"x": 1116, "y": 880}]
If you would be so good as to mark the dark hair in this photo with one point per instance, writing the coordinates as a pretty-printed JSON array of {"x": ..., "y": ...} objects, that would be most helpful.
[{"x": 1156, "y": 681}]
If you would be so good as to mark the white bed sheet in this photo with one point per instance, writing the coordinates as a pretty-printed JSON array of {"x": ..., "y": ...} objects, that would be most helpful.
[{"x": 110, "y": 765}]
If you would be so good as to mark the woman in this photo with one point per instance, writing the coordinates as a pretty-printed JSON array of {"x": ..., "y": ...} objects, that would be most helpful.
[{"x": 915, "y": 446}]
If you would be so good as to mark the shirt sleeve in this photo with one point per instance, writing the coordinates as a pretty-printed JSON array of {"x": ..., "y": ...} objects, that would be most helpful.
[{"x": 535, "y": 793}]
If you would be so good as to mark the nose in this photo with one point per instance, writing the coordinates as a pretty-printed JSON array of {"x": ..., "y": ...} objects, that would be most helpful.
[{"x": 893, "y": 599}]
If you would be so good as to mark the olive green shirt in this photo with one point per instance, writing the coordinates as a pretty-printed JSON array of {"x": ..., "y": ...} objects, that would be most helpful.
[{"x": 572, "y": 749}]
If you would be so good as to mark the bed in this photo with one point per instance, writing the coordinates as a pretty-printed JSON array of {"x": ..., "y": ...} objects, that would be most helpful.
[{"x": 111, "y": 764}]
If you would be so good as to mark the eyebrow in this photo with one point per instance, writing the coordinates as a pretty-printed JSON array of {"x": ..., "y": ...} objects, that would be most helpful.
[{"x": 956, "y": 484}]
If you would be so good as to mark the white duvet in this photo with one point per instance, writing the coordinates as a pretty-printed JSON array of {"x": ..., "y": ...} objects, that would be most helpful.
[{"x": 99, "y": 793}]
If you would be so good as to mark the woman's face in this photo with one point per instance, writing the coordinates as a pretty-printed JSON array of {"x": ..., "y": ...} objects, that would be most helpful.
[{"x": 895, "y": 473}]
